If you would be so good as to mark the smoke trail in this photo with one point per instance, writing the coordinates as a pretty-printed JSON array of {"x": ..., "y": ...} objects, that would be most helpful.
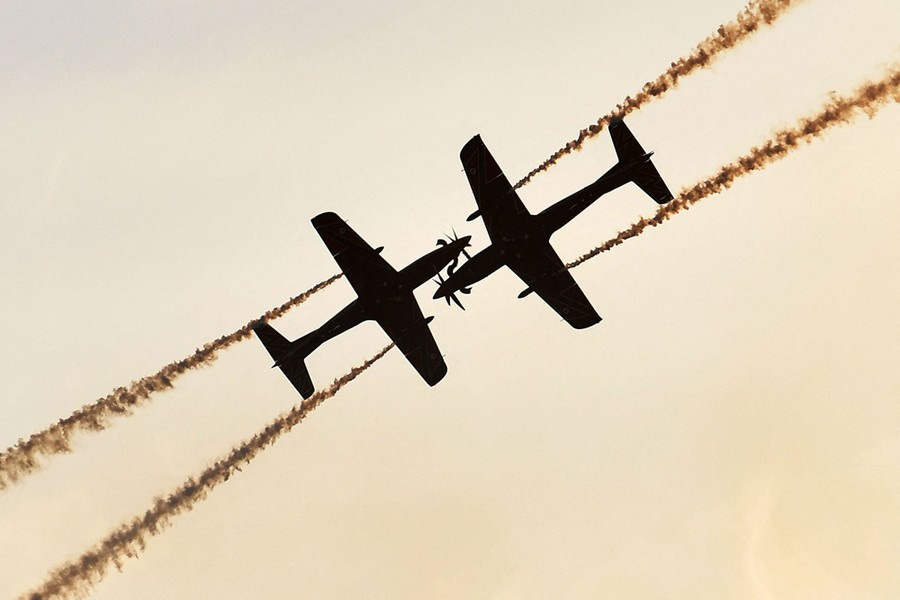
[
  {"x": 75, "y": 578},
  {"x": 756, "y": 14},
  {"x": 868, "y": 98},
  {"x": 22, "y": 459}
]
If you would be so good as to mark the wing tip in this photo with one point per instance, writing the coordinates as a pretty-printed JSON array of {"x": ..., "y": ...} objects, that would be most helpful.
[
  {"x": 439, "y": 372},
  {"x": 325, "y": 218},
  {"x": 586, "y": 321},
  {"x": 470, "y": 147}
]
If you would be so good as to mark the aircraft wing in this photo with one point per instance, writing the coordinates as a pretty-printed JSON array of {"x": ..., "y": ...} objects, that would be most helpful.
[
  {"x": 361, "y": 264},
  {"x": 548, "y": 277},
  {"x": 409, "y": 330},
  {"x": 498, "y": 203}
]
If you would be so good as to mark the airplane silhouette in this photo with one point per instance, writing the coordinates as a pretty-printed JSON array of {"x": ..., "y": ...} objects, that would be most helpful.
[
  {"x": 521, "y": 240},
  {"x": 385, "y": 295}
]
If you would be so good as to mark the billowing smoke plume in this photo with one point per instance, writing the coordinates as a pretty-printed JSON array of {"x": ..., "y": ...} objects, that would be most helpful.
[
  {"x": 22, "y": 458},
  {"x": 868, "y": 99},
  {"x": 756, "y": 14},
  {"x": 75, "y": 578}
]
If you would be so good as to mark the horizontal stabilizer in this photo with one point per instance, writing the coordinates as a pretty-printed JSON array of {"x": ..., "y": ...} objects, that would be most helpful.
[
  {"x": 295, "y": 370},
  {"x": 627, "y": 147},
  {"x": 274, "y": 342},
  {"x": 643, "y": 173},
  {"x": 648, "y": 179},
  {"x": 292, "y": 365}
]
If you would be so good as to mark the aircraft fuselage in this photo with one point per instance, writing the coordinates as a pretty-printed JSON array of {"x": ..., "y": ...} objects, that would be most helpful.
[
  {"x": 528, "y": 234},
  {"x": 379, "y": 295}
]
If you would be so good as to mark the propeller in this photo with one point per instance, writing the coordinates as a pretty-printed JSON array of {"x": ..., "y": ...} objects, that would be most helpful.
[
  {"x": 450, "y": 269},
  {"x": 455, "y": 262},
  {"x": 451, "y": 239},
  {"x": 452, "y": 296}
]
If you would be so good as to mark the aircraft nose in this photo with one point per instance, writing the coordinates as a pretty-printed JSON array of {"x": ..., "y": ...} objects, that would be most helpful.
[{"x": 442, "y": 288}]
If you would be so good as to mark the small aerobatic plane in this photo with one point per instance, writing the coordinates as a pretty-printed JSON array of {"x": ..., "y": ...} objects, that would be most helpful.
[
  {"x": 385, "y": 295},
  {"x": 521, "y": 240}
]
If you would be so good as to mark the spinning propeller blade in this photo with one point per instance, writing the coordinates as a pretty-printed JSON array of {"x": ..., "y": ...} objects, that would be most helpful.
[{"x": 451, "y": 296}]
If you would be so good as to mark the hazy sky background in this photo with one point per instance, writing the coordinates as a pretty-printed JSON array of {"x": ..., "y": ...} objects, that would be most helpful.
[{"x": 730, "y": 430}]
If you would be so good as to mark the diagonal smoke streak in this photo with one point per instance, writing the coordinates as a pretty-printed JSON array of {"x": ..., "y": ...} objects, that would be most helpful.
[
  {"x": 756, "y": 14},
  {"x": 22, "y": 459},
  {"x": 868, "y": 99},
  {"x": 77, "y": 577}
]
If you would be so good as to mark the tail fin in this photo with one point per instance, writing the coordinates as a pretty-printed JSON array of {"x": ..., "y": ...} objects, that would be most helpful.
[
  {"x": 643, "y": 174},
  {"x": 291, "y": 365}
]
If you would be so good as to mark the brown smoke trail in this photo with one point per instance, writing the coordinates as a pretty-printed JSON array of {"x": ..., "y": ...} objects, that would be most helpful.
[
  {"x": 75, "y": 578},
  {"x": 22, "y": 459},
  {"x": 868, "y": 99},
  {"x": 756, "y": 14}
]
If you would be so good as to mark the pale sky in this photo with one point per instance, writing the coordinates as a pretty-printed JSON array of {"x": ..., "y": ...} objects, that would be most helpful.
[{"x": 731, "y": 429}]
